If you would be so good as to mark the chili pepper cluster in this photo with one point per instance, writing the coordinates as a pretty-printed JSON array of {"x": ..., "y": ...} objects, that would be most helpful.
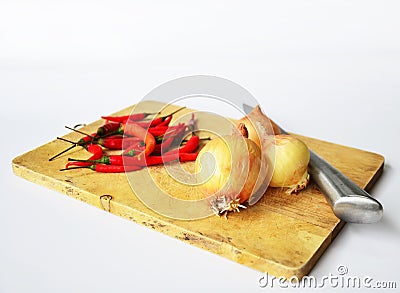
[{"x": 141, "y": 143}]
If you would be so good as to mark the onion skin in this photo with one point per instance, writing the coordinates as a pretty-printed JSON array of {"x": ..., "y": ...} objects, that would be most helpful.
[
  {"x": 291, "y": 163},
  {"x": 226, "y": 185},
  {"x": 291, "y": 156},
  {"x": 259, "y": 125}
]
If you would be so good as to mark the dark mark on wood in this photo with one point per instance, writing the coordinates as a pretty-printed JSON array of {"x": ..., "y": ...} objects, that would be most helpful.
[{"x": 105, "y": 202}]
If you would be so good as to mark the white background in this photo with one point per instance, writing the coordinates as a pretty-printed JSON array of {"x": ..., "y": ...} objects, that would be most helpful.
[{"x": 326, "y": 69}]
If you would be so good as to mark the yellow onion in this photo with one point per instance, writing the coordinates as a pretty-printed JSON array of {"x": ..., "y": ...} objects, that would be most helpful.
[
  {"x": 291, "y": 161},
  {"x": 258, "y": 125},
  {"x": 227, "y": 169}
]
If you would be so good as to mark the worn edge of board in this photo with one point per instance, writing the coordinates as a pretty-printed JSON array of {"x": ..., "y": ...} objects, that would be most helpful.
[{"x": 156, "y": 222}]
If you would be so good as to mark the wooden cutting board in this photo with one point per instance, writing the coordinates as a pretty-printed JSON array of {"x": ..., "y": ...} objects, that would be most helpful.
[{"x": 282, "y": 234}]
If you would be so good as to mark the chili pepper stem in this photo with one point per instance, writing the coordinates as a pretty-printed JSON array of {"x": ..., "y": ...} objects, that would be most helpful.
[
  {"x": 176, "y": 111},
  {"x": 154, "y": 113},
  {"x": 76, "y": 130},
  {"x": 80, "y": 160},
  {"x": 116, "y": 132},
  {"x": 64, "y": 151},
  {"x": 67, "y": 140},
  {"x": 78, "y": 167},
  {"x": 203, "y": 138},
  {"x": 149, "y": 114},
  {"x": 74, "y": 144}
]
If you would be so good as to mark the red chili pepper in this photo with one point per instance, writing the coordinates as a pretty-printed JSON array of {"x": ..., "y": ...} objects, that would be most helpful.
[
  {"x": 177, "y": 133},
  {"x": 134, "y": 149},
  {"x": 117, "y": 143},
  {"x": 158, "y": 131},
  {"x": 107, "y": 168},
  {"x": 120, "y": 160},
  {"x": 82, "y": 142},
  {"x": 144, "y": 124},
  {"x": 149, "y": 124},
  {"x": 165, "y": 122},
  {"x": 119, "y": 119},
  {"x": 108, "y": 160},
  {"x": 97, "y": 152},
  {"x": 116, "y": 160},
  {"x": 95, "y": 149},
  {"x": 125, "y": 118},
  {"x": 189, "y": 147},
  {"x": 107, "y": 128},
  {"x": 134, "y": 129},
  {"x": 166, "y": 141},
  {"x": 114, "y": 169},
  {"x": 159, "y": 120},
  {"x": 157, "y": 160},
  {"x": 86, "y": 139},
  {"x": 164, "y": 145},
  {"x": 161, "y": 130},
  {"x": 133, "y": 152},
  {"x": 184, "y": 157}
]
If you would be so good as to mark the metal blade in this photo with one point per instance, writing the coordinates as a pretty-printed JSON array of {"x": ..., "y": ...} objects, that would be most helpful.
[{"x": 247, "y": 108}]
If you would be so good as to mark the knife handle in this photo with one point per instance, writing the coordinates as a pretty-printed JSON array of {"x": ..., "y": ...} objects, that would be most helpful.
[{"x": 349, "y": 202}]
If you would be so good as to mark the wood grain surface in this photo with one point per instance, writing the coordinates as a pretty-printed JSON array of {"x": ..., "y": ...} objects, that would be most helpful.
[{"x": 282, "y": 234}]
